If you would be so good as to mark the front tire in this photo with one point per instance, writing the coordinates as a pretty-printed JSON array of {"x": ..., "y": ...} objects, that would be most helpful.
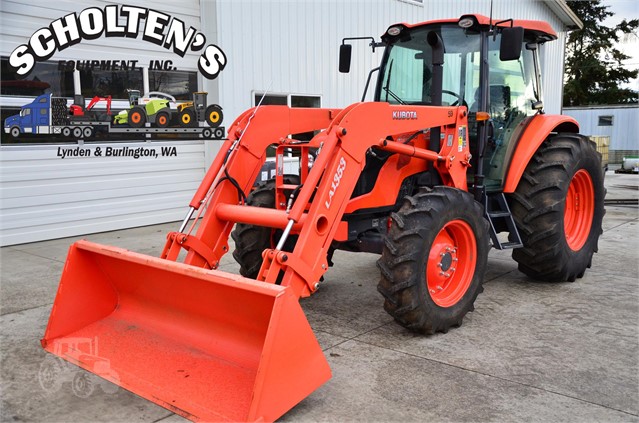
[
  {"x": 187, "y": 118},
  {"x": 434, "y": 260},
  {"x": 162, "y": 119},
  {"x": 558, "y": 207},
  {"x": 251, "y": 240}
]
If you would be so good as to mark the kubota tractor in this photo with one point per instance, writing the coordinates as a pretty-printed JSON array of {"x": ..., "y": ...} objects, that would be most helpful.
[{"x": 454, "y": 153}]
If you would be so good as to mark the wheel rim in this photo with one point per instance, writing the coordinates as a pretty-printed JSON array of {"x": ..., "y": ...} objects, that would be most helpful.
[
  {"x": 579, "y": 210},
  {"x": 162, "y": 120},
  {"x": 186, "y": 118},
  {"x": 136, "y": 117},
  {"x": 214, "y": 117},
  {"x": 451, "y": 263}
]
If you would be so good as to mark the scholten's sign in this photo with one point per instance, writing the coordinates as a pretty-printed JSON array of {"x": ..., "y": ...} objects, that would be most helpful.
[{"x": 117, "y": 21}]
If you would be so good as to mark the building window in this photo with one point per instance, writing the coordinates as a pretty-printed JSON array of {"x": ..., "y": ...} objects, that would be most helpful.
[
  {"x": 46, "y": 77},
  {"x": 102, "y": 83},
  {"x": 54, "y": 79},
  {"x": 179, "y": 84},
  {"x": 605, "y": 121},
  {"x": 270, "y": 99},
  {"x": 291, "y": 100}
]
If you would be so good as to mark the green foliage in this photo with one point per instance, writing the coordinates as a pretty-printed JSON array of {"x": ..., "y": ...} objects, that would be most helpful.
[{"x": 594, "y": 68}]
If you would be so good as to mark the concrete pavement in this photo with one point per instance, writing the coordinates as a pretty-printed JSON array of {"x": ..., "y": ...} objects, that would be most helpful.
[{"x": 530, "y": 351}]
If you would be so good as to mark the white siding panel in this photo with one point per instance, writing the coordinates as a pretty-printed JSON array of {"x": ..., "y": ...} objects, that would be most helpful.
[
  {"x": 292, "y": 46},
  {"x": 43, "y": 196},
  {"x": 623, "y": 132}
]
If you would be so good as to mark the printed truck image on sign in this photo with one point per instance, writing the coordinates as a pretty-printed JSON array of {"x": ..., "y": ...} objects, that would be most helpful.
[
  {"x": 50, "y": 115},
  {"x": 442, "y": 165}
]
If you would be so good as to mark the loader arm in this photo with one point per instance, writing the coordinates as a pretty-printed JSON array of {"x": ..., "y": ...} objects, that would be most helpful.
[{"x": 332, "y": 179}]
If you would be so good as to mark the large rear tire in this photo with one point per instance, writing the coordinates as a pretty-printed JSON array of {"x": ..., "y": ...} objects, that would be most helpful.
[
  {"x": 434, "y": 260},
  {"x": 558, "y": 208},
  {"x": 214, "y": 115},
  {"x": 251, "y": 240}
]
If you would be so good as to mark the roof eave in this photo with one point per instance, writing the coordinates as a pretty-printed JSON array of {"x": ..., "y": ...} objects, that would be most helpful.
[{"x": 565, "y": 14}]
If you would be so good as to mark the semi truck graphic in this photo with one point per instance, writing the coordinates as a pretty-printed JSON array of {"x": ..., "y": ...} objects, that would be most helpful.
[{"x": 49, "y": 115}]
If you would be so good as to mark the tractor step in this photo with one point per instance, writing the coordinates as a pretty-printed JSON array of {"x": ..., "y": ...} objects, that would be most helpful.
[{"x": 498, "y": 214}]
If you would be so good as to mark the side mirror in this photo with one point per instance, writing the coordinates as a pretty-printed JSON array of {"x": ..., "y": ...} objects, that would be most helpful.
[
  {"x": 511, "y": 41},
  {"x": 345, "y": 51}
]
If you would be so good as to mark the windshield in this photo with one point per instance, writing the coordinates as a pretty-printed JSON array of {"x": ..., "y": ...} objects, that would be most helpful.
[{"x": 406, "y": 77}]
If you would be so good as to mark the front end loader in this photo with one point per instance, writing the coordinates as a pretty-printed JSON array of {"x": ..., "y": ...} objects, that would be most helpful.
[{"x": 454, "y": 154}]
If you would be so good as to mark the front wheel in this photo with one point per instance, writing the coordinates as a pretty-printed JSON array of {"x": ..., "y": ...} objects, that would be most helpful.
[
  {"x": 434, "y": 259},
  {"x": 162, "y": 119},
  {"x": 187, "y": 118},
  {"x": 251, "y": 240},
  {"x": 558, "y": 207}
]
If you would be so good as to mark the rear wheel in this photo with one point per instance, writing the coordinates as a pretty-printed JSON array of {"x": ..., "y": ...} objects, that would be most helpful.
[
  {"x": 558, "y": 208},
  {"x": 214, "y": 115},
  {"x": 251, "y": 240},
  {"x": 137, "y": 117},
  {"x": 434, "y": 260}
]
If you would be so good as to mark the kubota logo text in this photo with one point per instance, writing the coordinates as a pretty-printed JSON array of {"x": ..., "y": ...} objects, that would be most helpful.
[
  {"x": 404, "y": 114},
  {"x": 336, "y": 180}
]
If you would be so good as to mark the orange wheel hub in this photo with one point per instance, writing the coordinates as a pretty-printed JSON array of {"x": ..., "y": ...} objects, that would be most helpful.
[
  {"x": 579, "y": 210},
  {"x": 451, "y": 263}
]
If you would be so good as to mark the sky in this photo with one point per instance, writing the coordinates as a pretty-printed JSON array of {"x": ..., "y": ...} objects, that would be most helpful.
[{"x": 626, "y": 9}]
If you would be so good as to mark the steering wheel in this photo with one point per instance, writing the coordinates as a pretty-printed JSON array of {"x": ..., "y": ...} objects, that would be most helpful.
[{"x": 459, "y": 98}]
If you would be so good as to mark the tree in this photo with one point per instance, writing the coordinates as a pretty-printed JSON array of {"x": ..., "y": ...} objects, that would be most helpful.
[{"x": 594, "y": 68}]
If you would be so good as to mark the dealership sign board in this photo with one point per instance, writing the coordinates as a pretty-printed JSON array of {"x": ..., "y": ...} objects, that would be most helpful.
[{"x": 128, "y": 21}]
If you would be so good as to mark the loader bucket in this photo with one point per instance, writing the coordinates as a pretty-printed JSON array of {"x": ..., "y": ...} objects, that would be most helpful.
[{"x": 207, "y": 345}]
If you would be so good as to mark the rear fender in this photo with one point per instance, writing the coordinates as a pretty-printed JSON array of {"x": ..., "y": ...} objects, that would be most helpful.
[{"x": 533, "y": 136}]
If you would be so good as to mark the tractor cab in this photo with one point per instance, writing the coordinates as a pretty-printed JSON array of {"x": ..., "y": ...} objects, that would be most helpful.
[
  {"x": 134, "y": 97},
  {"x": 492, "y": 68}
]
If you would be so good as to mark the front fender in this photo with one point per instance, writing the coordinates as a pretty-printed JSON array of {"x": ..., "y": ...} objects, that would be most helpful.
[
  {"x": 533, "y": 136},
  {"x": 12, "y": 121}
]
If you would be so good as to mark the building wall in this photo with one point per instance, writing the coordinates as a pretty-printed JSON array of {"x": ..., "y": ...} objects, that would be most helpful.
[
  {"x": 43, "y": 196},
  {"x": 283, "y": 47},
  {"x": 292, "y": 46},
  {"x": 623, "y": 133}
]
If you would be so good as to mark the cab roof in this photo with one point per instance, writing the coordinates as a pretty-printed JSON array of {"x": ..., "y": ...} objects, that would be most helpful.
[{"x": 539, "y": 29}]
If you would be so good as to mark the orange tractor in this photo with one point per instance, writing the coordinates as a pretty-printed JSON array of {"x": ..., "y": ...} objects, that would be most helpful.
[{"x": 454, "y": 154}]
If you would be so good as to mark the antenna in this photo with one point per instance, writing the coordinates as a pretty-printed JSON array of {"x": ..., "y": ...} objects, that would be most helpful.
[{"x": 491, "y": 15}]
